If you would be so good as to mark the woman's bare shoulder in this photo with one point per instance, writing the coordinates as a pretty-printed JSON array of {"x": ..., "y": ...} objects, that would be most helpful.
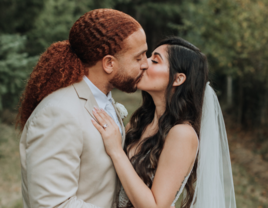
[{"x": 183, "y": 134}]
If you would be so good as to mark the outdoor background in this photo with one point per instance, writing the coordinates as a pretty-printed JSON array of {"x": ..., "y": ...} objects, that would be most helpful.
[{"x": 232, "y": 33}]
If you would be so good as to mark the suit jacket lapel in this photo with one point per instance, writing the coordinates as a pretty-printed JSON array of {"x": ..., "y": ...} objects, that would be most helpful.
[{"x": 83, "y": 91}]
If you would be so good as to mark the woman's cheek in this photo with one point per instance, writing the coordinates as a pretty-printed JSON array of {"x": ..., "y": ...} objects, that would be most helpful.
[
  {"x": 158, "y": 73},
  {"x": 155, "y": 78}
]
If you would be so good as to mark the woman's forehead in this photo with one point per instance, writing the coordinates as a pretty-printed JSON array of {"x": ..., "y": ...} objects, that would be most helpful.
[{"x": 162, "y": 50}]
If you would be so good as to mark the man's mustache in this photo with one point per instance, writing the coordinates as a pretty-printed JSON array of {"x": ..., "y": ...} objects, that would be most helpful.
[{"x": 139, "y": 78}]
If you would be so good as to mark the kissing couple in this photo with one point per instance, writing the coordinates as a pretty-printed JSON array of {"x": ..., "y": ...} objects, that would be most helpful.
[{"x": 74, "y": 149}]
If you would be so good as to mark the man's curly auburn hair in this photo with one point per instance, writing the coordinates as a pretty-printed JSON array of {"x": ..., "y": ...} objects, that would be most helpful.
[{"x": 94, "y": 35}]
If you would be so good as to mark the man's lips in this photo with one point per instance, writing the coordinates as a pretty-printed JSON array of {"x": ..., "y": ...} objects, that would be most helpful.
[{"x": 139, "y": 77}]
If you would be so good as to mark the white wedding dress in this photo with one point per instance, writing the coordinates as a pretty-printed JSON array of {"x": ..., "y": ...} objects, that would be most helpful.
[{"x": 123, "y": 199}]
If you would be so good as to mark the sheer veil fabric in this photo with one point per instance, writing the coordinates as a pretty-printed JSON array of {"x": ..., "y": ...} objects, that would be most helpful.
[{"x": 214, "y": 185}]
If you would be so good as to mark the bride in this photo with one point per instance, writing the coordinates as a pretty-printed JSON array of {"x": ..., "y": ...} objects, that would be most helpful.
[{"x": 176, "y": 140}]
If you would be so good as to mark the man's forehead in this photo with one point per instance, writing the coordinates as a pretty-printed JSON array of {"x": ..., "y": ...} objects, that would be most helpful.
[{"x": 136, "y": 40}]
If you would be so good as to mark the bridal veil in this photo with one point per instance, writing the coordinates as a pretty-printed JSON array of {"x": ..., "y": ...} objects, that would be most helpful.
[{"x": 214, "y": 185}]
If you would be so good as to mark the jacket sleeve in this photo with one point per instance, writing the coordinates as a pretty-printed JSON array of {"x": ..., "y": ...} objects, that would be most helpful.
[{"x": 54, "y": 145}]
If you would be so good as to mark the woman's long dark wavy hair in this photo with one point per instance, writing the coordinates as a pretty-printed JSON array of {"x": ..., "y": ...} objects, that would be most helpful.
[{"x": 182, "y": 105}]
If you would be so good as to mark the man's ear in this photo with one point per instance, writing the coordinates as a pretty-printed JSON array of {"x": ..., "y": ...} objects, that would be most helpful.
[
  {"x": 108, "y": 63},
  {"x": 179, "y": 79}
]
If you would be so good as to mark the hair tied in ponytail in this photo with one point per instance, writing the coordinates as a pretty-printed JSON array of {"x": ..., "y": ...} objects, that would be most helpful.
[{"x": 72, "y": 49}]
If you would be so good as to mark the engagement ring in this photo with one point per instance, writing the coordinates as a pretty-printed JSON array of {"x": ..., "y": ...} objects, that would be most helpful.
[{"x": 105, "y": 126}]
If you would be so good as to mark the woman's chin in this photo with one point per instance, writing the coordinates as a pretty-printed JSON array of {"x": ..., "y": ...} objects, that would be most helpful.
[
  {"x": 139, "y": 86},
  {"x": 142, "y": 85},
  {"x": 142, "y": 88}
]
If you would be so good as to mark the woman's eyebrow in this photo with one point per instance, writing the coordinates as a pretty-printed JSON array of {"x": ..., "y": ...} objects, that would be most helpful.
[{"x": 158, "y": 54}]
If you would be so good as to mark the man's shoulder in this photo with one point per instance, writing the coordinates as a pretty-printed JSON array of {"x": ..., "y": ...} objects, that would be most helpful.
[
  {"x": 63, "y": 95},
  {"x": 64, "y": 99}
]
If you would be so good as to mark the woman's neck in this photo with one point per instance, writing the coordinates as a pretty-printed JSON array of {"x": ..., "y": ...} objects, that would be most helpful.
[{"x": 160, "y": 107}]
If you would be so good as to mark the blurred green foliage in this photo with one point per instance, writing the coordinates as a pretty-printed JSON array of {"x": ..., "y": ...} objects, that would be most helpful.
[
  {"x": 15, "y": 67},
  {"x": 232, "y": 33},
  {"x": 234, "y": 36}
]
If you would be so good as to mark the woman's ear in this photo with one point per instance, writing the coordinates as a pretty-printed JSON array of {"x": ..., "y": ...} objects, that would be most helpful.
[
  {"x": 108, "y": 64},
  {"x": 179, "y": 79}
]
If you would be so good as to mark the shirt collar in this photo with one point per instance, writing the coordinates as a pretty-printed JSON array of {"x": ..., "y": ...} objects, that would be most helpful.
[{"x": 99, "y": 96}]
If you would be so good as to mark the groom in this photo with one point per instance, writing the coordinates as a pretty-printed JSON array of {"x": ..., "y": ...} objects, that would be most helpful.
[{"x": 63, "y": 159}]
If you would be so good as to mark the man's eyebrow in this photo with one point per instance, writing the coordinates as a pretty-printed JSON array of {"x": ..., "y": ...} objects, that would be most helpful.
[
  {"x": 156, "y": 53},
  {"x": 141, "y": 53}
]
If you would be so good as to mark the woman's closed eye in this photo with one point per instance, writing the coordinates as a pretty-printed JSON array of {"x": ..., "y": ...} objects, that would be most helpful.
[{"x": 155, "y": 62}]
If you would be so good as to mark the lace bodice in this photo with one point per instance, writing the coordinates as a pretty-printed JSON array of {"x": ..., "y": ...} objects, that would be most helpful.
[{"x": 123, "y": 199}]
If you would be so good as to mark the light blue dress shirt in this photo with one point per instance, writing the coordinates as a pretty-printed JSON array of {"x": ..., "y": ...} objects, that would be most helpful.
[{"x": 104, "y": 102}]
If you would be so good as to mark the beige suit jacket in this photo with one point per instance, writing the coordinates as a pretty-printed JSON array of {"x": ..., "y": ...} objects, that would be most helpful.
[{"x": 63, "y": 159}]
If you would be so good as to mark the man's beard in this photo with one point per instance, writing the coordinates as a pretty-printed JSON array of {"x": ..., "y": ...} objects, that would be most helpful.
[{"x": 124, "y": 83}]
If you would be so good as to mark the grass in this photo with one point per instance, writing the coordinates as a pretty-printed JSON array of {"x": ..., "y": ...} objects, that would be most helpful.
[
  {"x": 10, "y": 177},
  {"x": 250, "y": 193}
]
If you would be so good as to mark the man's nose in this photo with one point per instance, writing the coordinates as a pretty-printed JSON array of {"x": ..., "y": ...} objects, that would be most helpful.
[{"x": 145, "y": 64}]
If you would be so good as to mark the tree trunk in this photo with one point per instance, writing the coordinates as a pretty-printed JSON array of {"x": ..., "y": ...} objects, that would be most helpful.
[
  {"x": 240, "y": 101},
  {"x": 229, "y": 91},
  {"x": 264, "y": 108}
]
